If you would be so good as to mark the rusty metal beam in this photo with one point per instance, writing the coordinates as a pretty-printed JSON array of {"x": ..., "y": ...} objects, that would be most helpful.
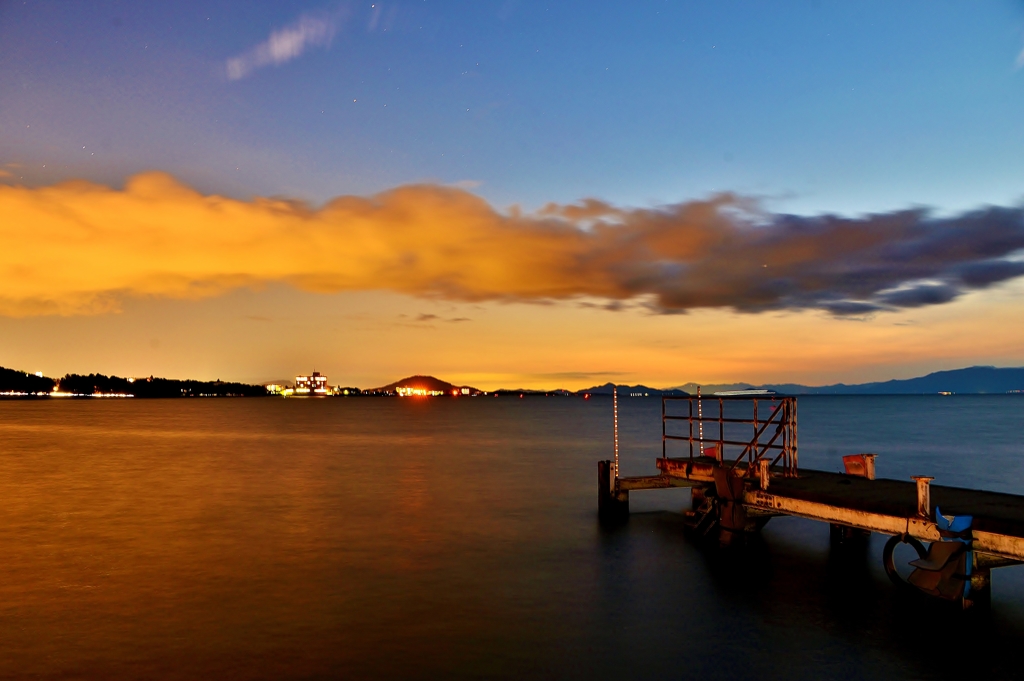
[
  {"x": 655, "y": 482},
  {"x": 713, "y": 419},
  {"x": 740, "y": 443},
  {"x": 1001, "y": 545},
  {"x": 700, "y": 471}
]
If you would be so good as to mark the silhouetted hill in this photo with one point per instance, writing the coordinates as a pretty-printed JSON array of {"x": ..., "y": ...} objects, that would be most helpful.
[
  {"x": 155, "y": 387},
  {"x": 515, "y": 392},
  {"x": 708, "y": 388},
  {"x": 13, "y": 381},
  {"x": 969, "y": 381},
  {"x": 626, "y": 390},
  {"x": 427, "y": 383}
]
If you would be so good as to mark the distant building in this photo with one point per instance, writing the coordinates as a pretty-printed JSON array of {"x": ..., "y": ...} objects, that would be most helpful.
[{"x": 314, "y": 384}]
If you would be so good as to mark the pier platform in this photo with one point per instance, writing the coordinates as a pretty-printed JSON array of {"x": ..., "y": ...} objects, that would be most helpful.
[{"x": 969, "y": 531}]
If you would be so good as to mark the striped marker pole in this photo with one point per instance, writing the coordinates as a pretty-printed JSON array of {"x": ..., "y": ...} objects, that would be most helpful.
[
  {"x": 700, "y": 421},
  {"x": 615, "y": 422}
]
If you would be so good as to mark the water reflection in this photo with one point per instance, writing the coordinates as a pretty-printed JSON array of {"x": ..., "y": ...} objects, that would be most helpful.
[{"x": 393, "y": 539}]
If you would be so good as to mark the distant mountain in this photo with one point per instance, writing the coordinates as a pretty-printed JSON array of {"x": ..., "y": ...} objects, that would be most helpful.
[
  {"x": 635, "y": 390},
  {"x": 428, "y": 384},
  {"x": 708, "y": 388},
  {"x": 969, "y": 381},
  {"x": 559, "y": 392}
]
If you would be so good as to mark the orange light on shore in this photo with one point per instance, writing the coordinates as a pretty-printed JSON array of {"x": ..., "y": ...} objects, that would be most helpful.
[{"x": 410, "y": 391}]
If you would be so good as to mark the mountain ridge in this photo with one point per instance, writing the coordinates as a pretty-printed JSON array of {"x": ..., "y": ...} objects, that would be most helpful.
[
  {"x": 976, "y": 380},
  {"x": 421, "y": 382}
]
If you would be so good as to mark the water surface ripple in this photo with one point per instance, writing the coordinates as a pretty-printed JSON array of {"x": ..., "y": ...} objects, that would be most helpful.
[{"x": 387, "y": 538}]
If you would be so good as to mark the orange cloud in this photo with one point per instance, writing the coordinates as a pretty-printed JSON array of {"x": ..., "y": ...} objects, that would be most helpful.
[{"x": 80, "y": 248}]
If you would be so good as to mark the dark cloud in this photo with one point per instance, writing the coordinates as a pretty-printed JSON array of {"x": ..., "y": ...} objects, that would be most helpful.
[
  {"x": 847, "y": 266},
  {"x": 425, "y": 317},
  {"x": 987, "y": 272},
  {"x": 917, "y": 296},
  {"x": 577, "y": 375},
  {"x": 852, "y": 308}
]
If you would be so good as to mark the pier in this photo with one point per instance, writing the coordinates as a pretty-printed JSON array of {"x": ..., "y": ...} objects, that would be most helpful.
[{"x": 740, "y": 459}]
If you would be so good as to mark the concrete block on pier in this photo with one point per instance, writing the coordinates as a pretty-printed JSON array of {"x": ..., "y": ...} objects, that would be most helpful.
[{"x": 612, "y": 503}]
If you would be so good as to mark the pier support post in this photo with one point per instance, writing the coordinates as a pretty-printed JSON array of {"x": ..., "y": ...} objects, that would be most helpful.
[
  {"x": 612, "y": 503},
  {"x": 846, "y": 538},
  {"x": 980, "y": 593},
  {"x": 924, "y": 495}
]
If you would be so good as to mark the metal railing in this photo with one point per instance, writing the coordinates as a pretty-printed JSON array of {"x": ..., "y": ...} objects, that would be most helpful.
[{"x": 773, "y": 438}]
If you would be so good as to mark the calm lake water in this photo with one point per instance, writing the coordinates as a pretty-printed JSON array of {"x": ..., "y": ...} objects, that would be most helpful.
[{"x": 389, "y": 538}]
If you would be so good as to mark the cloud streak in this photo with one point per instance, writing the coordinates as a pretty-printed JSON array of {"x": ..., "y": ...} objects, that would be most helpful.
[
  {"x": 81, "y": 248},
  {"x": 283, "y": 45}
]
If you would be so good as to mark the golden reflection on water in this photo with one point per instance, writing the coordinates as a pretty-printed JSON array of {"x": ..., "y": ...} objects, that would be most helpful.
[
  {"x": 376, "y": 538},
  {"x": 177, "y": 539}
]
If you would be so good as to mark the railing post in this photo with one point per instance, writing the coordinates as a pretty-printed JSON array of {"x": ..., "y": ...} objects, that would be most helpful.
[
  {"x": 784, "y": 421},
  {"x": 791, "y": 430},
  {"x": 763, "y": 473},
  {"x": 721, "y": 428},
  {"x": 663, "y": 426},
  {"x": 752, "y": 452},
  {"x": 689, "y": 402},
  {"x": 795, "y": 452},
  {"x": 789, "y": 436}
]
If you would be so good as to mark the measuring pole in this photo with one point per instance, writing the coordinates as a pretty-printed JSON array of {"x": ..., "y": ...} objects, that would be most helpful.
[
  {"x": 700, "y": 421},
  {"x": 615, "y": 421}
]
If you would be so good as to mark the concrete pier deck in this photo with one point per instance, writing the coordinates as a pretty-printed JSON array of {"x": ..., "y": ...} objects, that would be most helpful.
[
  {"x": 743, "y": 468},
  {"x": 880, "y": 505}
]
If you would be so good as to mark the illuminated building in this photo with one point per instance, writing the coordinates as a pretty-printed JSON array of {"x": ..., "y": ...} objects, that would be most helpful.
[{"x": 313, "y": 385}]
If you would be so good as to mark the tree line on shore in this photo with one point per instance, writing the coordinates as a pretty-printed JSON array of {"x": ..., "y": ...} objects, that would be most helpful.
[{"x": 20, "y": 382}]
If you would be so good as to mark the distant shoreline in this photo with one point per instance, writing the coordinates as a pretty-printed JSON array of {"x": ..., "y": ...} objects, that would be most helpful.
[
  {"x": 958, "y": 382},
  {"x": 14, "y": 397}
]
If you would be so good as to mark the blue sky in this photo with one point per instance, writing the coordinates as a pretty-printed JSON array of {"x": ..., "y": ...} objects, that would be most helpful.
[
  {"x": 822, "y": 106},
  {"x": 813, "y": 108}
]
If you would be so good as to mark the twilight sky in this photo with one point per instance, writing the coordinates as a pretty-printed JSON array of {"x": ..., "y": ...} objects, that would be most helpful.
[{"x": 512, "y": 194}]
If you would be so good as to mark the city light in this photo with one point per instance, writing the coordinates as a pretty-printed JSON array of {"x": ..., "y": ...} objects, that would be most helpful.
[
  {"x": 61, "y": 393},
  {"x": 418, "y": 392}
]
